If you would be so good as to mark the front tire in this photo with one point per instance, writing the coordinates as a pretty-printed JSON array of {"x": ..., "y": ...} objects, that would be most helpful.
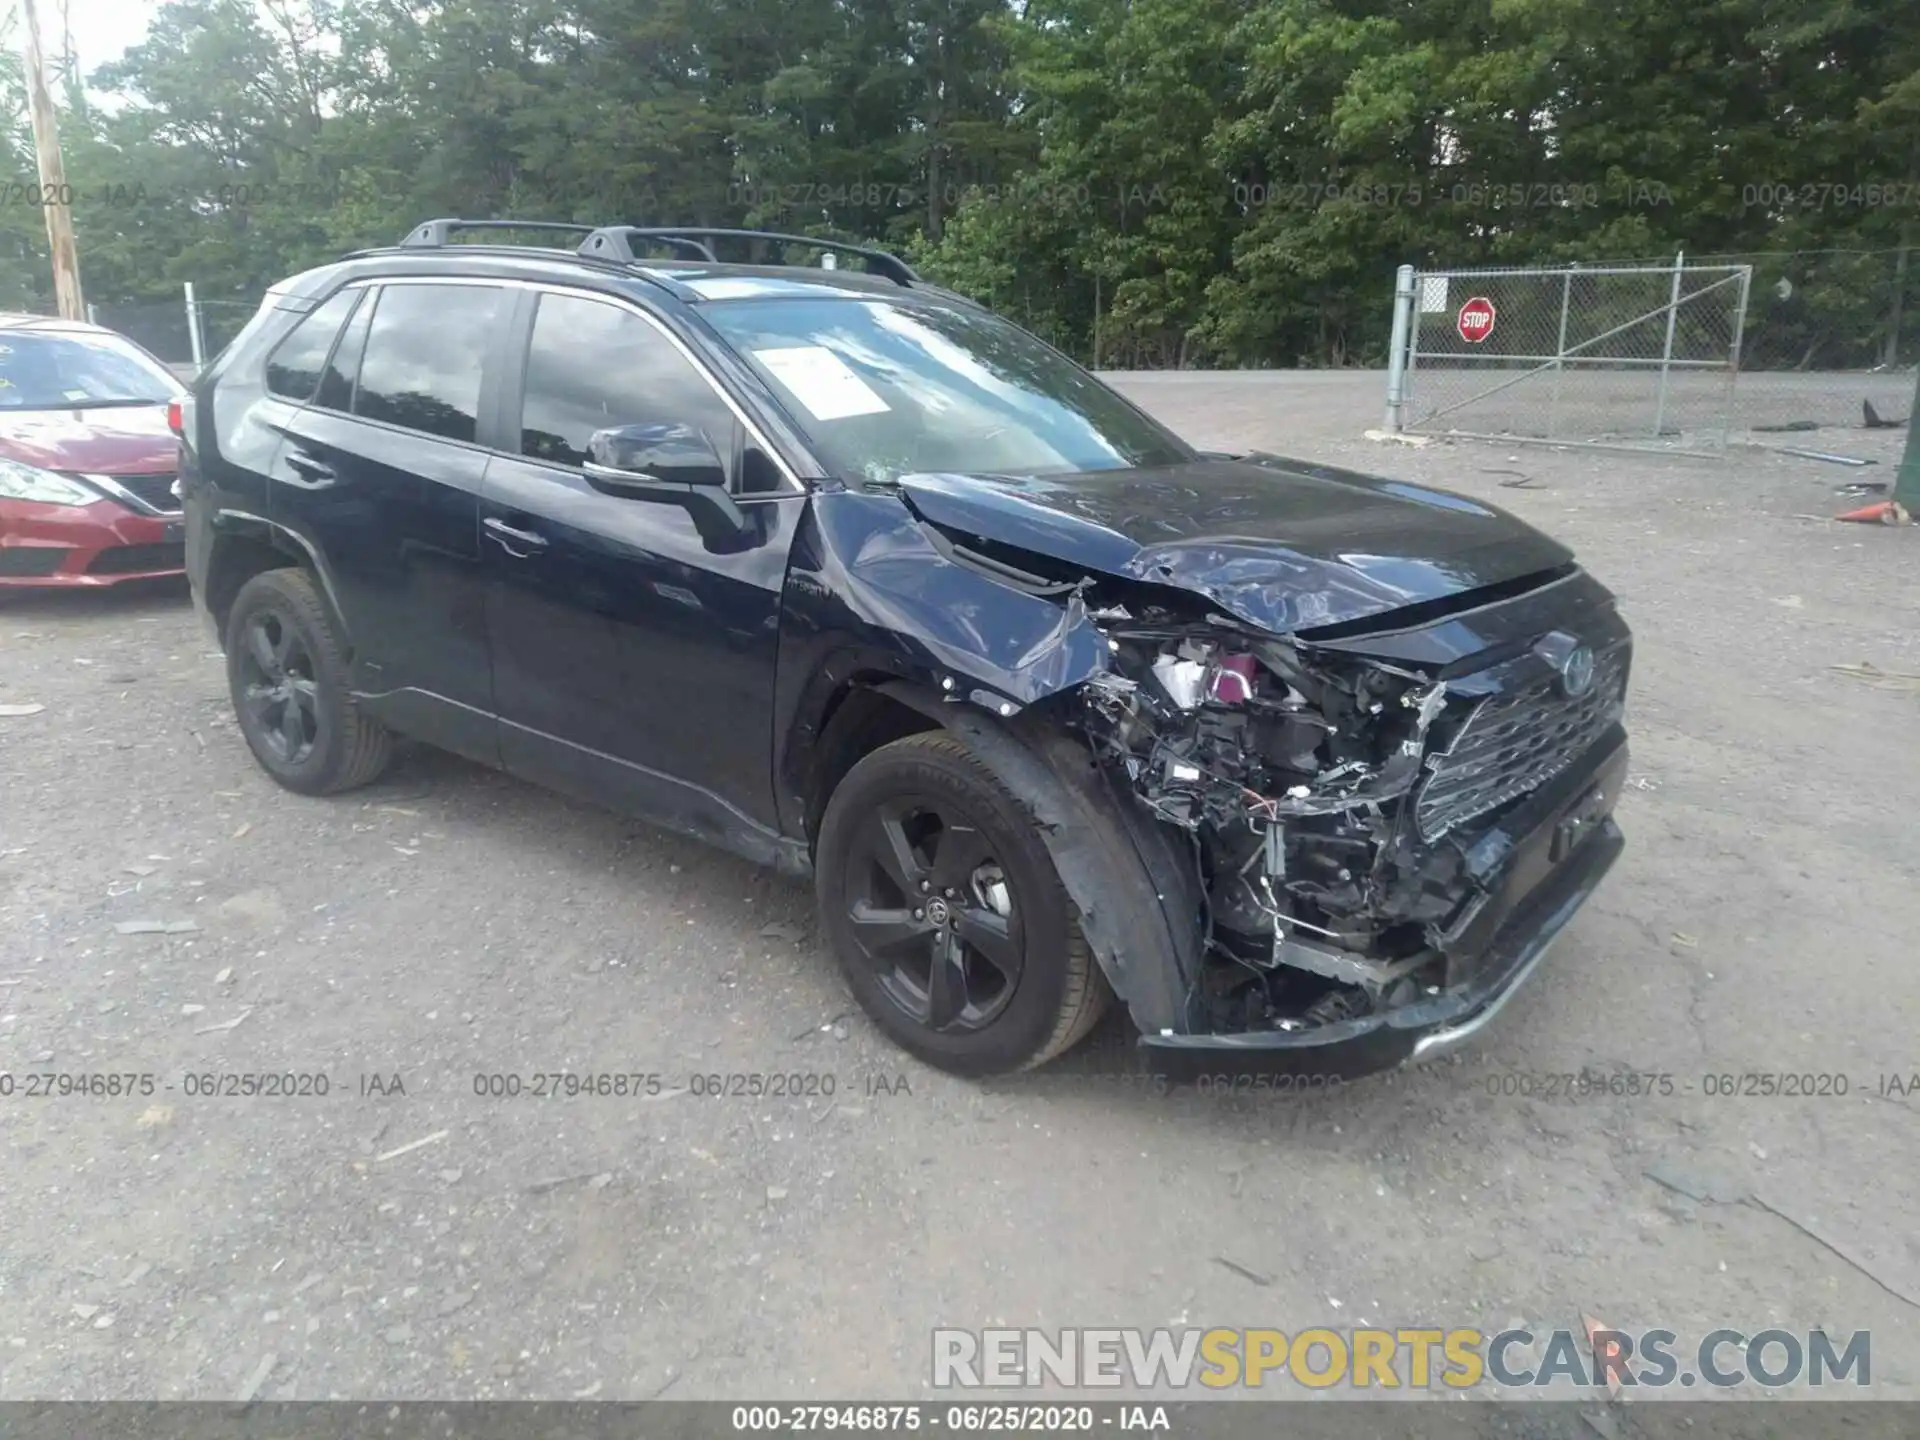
[
  {"x": 947, "y": 916},
  {"x": 288, "y": 674}
]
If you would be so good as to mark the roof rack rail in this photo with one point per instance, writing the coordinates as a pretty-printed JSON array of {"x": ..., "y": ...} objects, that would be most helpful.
[
  {"x": 433, "y": 233},
  {"x": 615, "y": 242}
]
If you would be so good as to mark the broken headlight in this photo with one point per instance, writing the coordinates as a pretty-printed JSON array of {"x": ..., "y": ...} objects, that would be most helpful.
[{"x": 1291, "y": 775}]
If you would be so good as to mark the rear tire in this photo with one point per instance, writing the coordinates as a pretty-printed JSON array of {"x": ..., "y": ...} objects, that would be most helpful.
[
  {"x": 288, "y": 675},
  {"x": 947, "y": 916}
]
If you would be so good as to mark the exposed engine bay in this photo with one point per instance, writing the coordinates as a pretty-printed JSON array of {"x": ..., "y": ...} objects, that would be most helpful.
[{"x": 1291, "y": 772}]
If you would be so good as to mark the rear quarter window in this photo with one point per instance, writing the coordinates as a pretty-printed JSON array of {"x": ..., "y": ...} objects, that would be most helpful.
[{"x": 293, "y": 369}]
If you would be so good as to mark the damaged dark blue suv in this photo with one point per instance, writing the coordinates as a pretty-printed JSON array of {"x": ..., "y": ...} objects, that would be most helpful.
[{"x": 837, "y": 570}]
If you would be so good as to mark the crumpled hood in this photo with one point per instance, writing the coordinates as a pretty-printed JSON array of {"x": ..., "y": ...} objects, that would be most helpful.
[
  {"x": 106, "y": 439},
  {"x": 1280, "y": 544}
]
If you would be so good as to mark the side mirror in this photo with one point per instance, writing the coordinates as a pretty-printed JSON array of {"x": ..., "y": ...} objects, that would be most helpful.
[
  {"x": 678, "y": 454},
  {"x": 670, "y": 465}
]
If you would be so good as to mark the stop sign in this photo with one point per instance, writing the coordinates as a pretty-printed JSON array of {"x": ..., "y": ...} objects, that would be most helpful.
[{"x": 1476, "y": 320}]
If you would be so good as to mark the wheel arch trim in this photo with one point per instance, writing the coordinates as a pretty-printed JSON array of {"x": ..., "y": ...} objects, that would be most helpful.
[{"x": 246, "y": 523}]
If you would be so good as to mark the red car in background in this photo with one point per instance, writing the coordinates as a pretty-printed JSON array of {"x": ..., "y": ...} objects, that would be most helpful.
[{"x": 87, "y": 460}]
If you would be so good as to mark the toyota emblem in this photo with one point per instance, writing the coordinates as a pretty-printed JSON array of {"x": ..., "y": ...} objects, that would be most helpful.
[{"x": 1576, "y": 672}]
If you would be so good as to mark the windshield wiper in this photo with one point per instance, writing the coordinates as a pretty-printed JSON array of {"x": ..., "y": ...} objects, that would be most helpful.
[{"x": 100, "y": 404}]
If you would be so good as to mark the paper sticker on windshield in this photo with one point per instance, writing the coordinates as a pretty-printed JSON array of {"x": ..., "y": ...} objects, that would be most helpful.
[
  {"x": 73, "y": 394},
  {"x": 821, "y": 381}
]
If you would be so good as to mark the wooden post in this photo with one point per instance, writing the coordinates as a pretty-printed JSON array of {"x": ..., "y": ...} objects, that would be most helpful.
[{"x": 56, "y": 198}]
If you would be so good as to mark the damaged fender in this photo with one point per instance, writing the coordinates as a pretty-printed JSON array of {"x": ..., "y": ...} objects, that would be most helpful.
[
  {"x": 969, "y": 620},
  {"x": 873, "y": 595}
]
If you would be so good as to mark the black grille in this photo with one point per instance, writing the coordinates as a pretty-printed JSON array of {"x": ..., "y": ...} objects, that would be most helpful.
[
  {"x": 155, "y": 490},
  {"x": 1515, "y": 743},
  {"x": 17, "y": 560},
  {"x": 134, "y": 559}
]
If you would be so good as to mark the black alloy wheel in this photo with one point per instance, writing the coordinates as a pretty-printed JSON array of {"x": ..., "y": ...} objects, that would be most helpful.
[
  {"x": 941, "y": 904},
  {"x": 290, "y": 679},
  {"x": 933, "y": 913},
  {"x": 277, "y": 690}
]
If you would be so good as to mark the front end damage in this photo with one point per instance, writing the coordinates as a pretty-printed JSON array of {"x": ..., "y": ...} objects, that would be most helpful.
[
  {"x": 1343, "y": 813},
  {"x": 1304, "y": 825},
  {"x": 1289, "y": 778}
]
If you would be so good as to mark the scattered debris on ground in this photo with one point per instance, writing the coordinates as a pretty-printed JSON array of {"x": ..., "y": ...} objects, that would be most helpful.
[
  {"x": 1880, "y": 679},
  {"x": 1900, "y": 1287},
  {"x": 1602, "y": 1350},
  {"x": 1522, "y": 480},
  {"x": 1242, "y": 1271},
  {"x": 1705, "y": 1186},
  {"x": 245, "y": 1395},
  {"x": 597, "y": 1179},
  {"x": 155, "y": 927},
  {"x": 1825, "y": 457},
  {"x": 411, "y": 1146}
]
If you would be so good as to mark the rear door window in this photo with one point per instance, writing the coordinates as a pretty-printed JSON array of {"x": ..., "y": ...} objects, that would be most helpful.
[
  {"x": 424, "y": 350},
  {"x": 336, "y": 382},
  {"x": 293, "y": 370}
]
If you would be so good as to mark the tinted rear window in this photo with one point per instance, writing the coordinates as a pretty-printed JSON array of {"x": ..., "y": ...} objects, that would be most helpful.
[{"x": 423, "y": 357}]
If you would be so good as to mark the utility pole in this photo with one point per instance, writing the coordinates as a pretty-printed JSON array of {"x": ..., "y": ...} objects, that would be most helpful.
[{"x": 56, "y": 198}]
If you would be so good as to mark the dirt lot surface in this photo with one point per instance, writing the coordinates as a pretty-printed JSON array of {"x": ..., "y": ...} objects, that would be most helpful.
[{"x": 453, "y": 923}]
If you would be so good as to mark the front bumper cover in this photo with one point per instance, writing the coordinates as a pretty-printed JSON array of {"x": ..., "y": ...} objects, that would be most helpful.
[
  {"x": 85, "y": 546},
  {"x": 1569, "y": 844}
]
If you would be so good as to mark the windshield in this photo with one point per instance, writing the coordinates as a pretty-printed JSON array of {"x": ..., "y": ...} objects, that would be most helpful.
[
  {"x": 888, "y": 390},
  {"x": 77, "y": 371}
]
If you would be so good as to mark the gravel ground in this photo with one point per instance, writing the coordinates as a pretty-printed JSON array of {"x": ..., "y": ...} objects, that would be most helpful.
[{"x": 452, "y": 923}]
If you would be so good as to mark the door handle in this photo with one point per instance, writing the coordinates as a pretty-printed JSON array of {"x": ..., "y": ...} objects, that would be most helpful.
[
  {"x": 507, "y": 536},
  {"x": 309, "y": 468}
]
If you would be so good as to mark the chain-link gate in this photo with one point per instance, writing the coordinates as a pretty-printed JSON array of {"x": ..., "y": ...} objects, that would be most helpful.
[{"x": 1641, "y": 357}]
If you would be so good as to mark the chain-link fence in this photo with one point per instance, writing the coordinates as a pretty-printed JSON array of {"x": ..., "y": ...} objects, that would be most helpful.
[
  {"x": 1825, "y": 331},
  {"x": 222, "y": 315},
  {"x": 1634, "y": 356},
  {"x": 1676, "y": 355},
  {"x": 185, "y": 332},
  {"x": 161, "y": 328}
]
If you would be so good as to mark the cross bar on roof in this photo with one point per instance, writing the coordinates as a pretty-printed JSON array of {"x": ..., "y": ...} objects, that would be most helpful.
[{"x": 615, "y": 242}]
